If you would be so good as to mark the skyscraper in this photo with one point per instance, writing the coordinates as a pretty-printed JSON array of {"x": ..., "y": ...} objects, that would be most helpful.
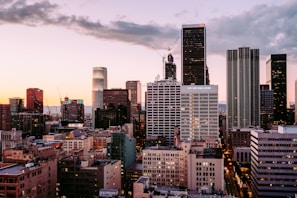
[
  {"x": 5, "y": 117},
  {"x": 194, "y": 68},
  {"x": 35, "y": 100},
  {"x": 99, "y": 83},
  {"x": 163, "y": 109},
  {"x": 266, "y": 106},
  {"x": 276, "y": 77},
  {"x": 134, "y": 87},
  {"x": 243, "y": 108}
]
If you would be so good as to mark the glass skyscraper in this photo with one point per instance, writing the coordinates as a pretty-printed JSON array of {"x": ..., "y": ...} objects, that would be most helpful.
[
  {"x": 194, "y": 68},
  {"x": 276, "y": 77}
]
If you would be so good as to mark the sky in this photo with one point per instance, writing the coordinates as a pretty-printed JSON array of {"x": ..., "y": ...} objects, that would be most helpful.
[{"x": 54, "y": 45}]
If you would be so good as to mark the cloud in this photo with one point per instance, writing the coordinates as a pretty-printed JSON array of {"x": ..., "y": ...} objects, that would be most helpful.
[
  {"x": 45, "y": 13},
  {"x": 272, "y": 29}
]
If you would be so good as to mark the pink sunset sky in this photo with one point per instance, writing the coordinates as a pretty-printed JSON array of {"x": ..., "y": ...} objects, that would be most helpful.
[{"x": 53, "y": 45}]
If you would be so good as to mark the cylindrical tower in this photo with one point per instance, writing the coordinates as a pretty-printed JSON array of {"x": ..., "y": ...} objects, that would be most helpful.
[{"x": 99, "y": 83}]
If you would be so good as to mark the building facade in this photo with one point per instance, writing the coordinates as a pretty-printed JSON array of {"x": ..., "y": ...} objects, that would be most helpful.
[
  {"x": 80, "y": 178},
  {"x": 72, "y": 144},
  {"x": 295, "y": 101},
  {"x": 206, "y": 170},
  {"x": 276, "y": 77},
  {"x": 266, "y": 106},
  {"x": 5, "y": 117},
  {"x": 243, "y": 90},
  {"x": 29, "y": 123},
  {"x": 16, "y": 105},
  {"x": 29, "y": 180},
  {"x": 134, "y": 88},
  {"x": 99, "y": 83},
  {"x": 122, "y": 147},
  {"x": 118, "y": 99},
  {"x": 273, "y": 162},
  {"x": 34, "y": 100},
  {"x": 193, "y": 44},
  {"x": 162, "y": 109},
  {"x": 164, "y": 166},
  {"x": 199, "y": 112},
  {"x": 72, "y": 111},
  {"x": 170, "y": 68}
]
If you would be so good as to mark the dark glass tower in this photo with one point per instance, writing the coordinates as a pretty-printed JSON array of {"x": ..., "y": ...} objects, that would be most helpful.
[
  {"x": 194, "y": 68},
  {"x": 276, "y": 77}
]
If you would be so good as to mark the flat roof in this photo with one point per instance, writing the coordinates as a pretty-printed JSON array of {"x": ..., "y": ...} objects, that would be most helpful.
[{"x": 14, "y": 169}]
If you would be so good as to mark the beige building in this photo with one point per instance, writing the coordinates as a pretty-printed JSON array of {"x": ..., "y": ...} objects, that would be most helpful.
[
  {"x": 206, "y": 170},
  {"x": 10, "y": 139},
  {"x": 83, "y": 142},
  {"x": 165, "y": 166}
]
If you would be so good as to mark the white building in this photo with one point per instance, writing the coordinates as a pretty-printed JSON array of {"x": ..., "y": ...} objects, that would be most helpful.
[
  {"x": 274, "y": 162},
  {"x": 99, "y": 83},
  {"x": 72, "y": 144},
  {"x": 199, "y": 112},
  {"x": 163, "y": 109}
]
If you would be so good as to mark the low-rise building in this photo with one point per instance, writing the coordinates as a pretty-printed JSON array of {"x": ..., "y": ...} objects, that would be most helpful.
[{"x": 29, "y": 180}]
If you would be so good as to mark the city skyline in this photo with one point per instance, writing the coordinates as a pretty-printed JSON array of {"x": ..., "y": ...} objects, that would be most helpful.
[{"x": 53, "y": 45}]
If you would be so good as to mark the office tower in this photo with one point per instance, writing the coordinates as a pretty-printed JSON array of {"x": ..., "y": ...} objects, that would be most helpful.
[
  {"x": 295, "y": 101},
  {"x": 16, "y": 104},
  {"x": 170, "y": 68},
  {"x": 163, "y": 109},
  {"x": 72, "y": 111},
  {"x": 199, "y": 112},
  {"x": 194, "y": 67},
  {"x": 266, "y": 106},
  {"x": 34, "y": 100},
  {"x": 5, "y": 117},
  {"x": 122, "y": 147},
  {"x": 276, "y": 77},
  {"x": 273, "y": 162},
  {"x": 99, "y": 83},
  {"x": 134, "y": 87},
  {"x": 243, "y": 90}
]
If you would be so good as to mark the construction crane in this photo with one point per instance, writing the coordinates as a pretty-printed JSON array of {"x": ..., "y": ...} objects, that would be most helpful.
[{"x": 163, "y": 56}]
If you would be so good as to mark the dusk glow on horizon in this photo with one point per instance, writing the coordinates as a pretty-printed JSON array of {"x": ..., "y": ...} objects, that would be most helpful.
[{"x": 53, "y": 45}]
